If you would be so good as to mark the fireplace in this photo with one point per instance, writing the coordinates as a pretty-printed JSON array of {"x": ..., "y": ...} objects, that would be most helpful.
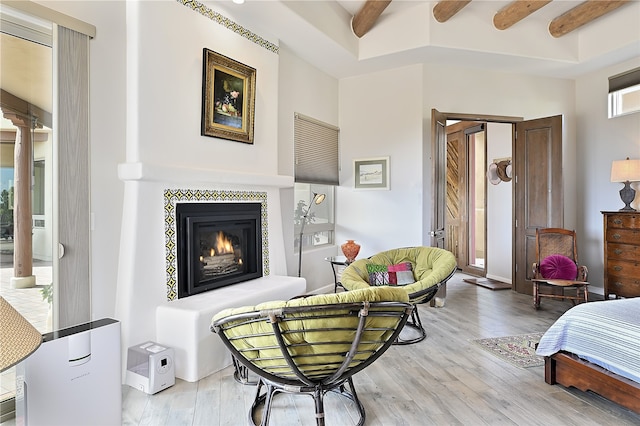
[{"x": 218, "y": 244}]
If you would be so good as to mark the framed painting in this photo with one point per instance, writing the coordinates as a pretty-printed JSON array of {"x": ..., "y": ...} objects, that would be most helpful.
[
  {"x": 228, "y": 98},
  {"x": 371, "y": 173}
]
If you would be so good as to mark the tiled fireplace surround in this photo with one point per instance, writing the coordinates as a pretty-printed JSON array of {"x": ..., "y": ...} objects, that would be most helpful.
[{"x": 147, "y": 303}]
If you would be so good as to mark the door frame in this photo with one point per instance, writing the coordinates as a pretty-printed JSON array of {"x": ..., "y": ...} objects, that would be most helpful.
[
  {"x": 544, "y": 130},
  {"x": 439, "y": 144}
]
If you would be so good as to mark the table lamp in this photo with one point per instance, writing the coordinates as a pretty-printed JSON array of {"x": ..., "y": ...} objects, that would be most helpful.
[
  {"x": 18, "y": 338},
  {"x": 317, "y": 199},
  {"x": 626, "y": 171}
]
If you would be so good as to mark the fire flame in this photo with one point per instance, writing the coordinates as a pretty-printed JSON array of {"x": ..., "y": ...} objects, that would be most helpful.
[{"x": 223, "y": 245}]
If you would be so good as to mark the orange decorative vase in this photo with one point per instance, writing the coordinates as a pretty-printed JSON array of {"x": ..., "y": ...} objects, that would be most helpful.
[{"x": 350, "y": 250}]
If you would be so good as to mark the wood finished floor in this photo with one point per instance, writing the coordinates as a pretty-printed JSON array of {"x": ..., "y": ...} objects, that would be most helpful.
[{"x": 443, "y": 380}]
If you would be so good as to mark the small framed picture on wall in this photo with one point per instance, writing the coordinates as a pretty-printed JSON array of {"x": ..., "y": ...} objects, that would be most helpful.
[{"x": 371, "y": 173}]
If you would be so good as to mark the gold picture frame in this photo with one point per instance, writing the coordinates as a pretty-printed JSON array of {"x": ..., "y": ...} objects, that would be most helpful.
[
  {"x": 371, "y": 173},
  {"x": 228, "y": 98}
]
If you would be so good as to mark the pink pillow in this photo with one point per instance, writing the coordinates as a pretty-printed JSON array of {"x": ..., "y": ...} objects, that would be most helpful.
[{"x": 558, "y": 267}]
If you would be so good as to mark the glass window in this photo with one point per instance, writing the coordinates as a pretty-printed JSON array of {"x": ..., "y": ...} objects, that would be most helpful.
[
  {"x": 319, "y": 226},
  {"x": 624, "y": 93},
  {"x": 39, "y": 187},
  {"x": 624, "y": 101}
]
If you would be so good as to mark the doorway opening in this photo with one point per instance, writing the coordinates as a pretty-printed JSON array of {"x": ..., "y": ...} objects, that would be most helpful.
[
  {"x": 536, "y": 191},
  {"x": 474, "y": 221},
  {"x": 466, "y": 195}
]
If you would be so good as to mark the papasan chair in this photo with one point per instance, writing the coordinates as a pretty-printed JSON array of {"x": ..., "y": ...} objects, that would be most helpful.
[
  {"x": 313, "y": 345},
  {"x": 420, "y": 271}
]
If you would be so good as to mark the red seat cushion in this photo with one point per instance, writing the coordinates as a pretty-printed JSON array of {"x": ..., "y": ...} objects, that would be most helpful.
[{"x": 558, "y": 267}]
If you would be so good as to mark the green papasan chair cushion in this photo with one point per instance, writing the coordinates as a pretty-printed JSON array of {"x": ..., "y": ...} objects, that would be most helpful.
[
  {"x": 312, "y": 345},
  {"x": 431, "y": 266}
]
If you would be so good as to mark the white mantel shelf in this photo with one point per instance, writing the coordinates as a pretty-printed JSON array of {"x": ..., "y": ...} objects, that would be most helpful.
[{"x": 147, "y": 172}]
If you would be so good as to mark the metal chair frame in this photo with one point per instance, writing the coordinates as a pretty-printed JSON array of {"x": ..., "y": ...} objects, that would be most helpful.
[
  {"x": 287, "y": 374},
  {"x": 415, "y": 322}
]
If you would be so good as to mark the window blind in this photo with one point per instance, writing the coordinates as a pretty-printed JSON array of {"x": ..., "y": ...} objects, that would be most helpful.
[
  {"x": 624, "y": 80},
  {"x": 71, "y": 131},
  {"x": 315, "y": 151}
]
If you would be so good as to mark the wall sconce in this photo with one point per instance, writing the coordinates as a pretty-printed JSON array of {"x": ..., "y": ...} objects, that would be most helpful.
[
  {"x": 500, "y": 170},
  {"x": 18, "y": 338},
  {"x": 317, "y": 199},
  {"x": 626, "y": 171}
]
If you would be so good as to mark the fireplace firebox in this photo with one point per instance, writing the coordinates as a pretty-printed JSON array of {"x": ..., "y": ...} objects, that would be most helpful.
[{"x": 218, "y": 244}]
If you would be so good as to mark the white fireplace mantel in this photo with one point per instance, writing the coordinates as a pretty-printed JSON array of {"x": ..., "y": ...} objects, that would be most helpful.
[
  {"x": 143, "y": 280},
  {"x": 186, "y": 175}
]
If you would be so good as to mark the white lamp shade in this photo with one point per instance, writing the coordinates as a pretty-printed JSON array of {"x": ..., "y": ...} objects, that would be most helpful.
[{"x": 625, "y": 170}]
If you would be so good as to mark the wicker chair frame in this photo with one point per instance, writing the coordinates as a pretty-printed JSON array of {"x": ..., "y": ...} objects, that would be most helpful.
[
  {"x": 561, "y": 241},
  {"x": 417, "y": 297},
  {"x": 284, "y": 370},
  {"x": 415, "y": 322}
]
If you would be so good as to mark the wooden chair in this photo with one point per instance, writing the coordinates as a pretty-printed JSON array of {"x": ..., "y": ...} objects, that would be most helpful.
[
  {"x": 313, "y": 345},
  {"x": 558, "y": 241}
]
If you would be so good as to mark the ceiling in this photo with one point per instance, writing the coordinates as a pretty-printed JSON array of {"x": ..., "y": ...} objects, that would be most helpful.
[
  {"x": 26, "y": 70},
  {"x": 407, "y": 33}
]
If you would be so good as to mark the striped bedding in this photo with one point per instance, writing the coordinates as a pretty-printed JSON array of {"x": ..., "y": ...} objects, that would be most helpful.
[{"x": 605, "y": 333}]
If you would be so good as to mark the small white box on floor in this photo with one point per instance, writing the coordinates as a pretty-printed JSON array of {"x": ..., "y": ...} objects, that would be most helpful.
[{"x": 150, "y": 367}]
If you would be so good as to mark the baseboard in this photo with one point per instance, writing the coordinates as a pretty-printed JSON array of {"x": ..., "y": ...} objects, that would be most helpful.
[
  {"x": 323, "y": 290},
  {"x": 499, "y": 278}
]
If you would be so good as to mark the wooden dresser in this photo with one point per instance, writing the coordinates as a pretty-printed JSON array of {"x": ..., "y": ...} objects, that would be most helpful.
[{"x": 621, "y": 254}]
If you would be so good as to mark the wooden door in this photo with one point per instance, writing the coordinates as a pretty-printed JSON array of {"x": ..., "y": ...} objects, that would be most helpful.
[
  {"x": 537, "y": 186},
  {"x": 439, "y": 166},
  {"x": 457, "y": 193},
  {"x": 438, "y": 179}
]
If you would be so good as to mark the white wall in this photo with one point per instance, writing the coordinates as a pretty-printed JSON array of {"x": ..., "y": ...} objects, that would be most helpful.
[
  {"x": 306, "y": 90},
  {"x": 146, "y": 88},
  {"x": 43, "y": 237},
  {"x": 600, "y": 141},
  {"x": 164, "y": 88},
  {"x": 381, "y": 115},
  {"x": 145, "y": 106},
  {"x": 499, "y": 206},
  {"x": 591, "y": 143},
  {"x": 384, "y": 114},
  {"x": 107, "y": 140},
  {"x": 473, "y": 91}
]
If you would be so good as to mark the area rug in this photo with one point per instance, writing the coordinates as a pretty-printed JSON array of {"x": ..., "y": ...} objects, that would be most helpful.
[{"x": 518, "y": 350}]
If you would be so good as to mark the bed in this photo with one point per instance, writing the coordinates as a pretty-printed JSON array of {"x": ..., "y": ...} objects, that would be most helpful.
[{"x": 596, "y": 346}]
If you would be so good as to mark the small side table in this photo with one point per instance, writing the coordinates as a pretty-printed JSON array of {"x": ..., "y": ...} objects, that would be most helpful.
[{"x": 336, "y": 263}]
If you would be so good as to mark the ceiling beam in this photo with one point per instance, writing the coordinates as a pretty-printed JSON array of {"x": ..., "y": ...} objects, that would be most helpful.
[
  {"x": 11, "y": 103},
  {"x": 582, "y": 14},
  {"x": 516, "y": 11},
  {"x": 368, "y": 14},
  {"x": 445, "y": 9}
]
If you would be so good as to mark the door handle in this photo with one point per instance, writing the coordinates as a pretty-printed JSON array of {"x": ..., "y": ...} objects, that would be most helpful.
[
  {"x": 60, "y": 251},
  {"x": 437, "y": 233}
]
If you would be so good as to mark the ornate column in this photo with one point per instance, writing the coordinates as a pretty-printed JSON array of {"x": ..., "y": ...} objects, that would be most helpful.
[{"x": 22, "y": 210}]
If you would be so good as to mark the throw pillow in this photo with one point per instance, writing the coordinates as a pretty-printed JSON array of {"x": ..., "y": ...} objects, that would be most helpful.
[
  {"x": 558, "y": 267},
  {"x": 378, "y": 274},
  {"x": 400, "y": 274}
]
